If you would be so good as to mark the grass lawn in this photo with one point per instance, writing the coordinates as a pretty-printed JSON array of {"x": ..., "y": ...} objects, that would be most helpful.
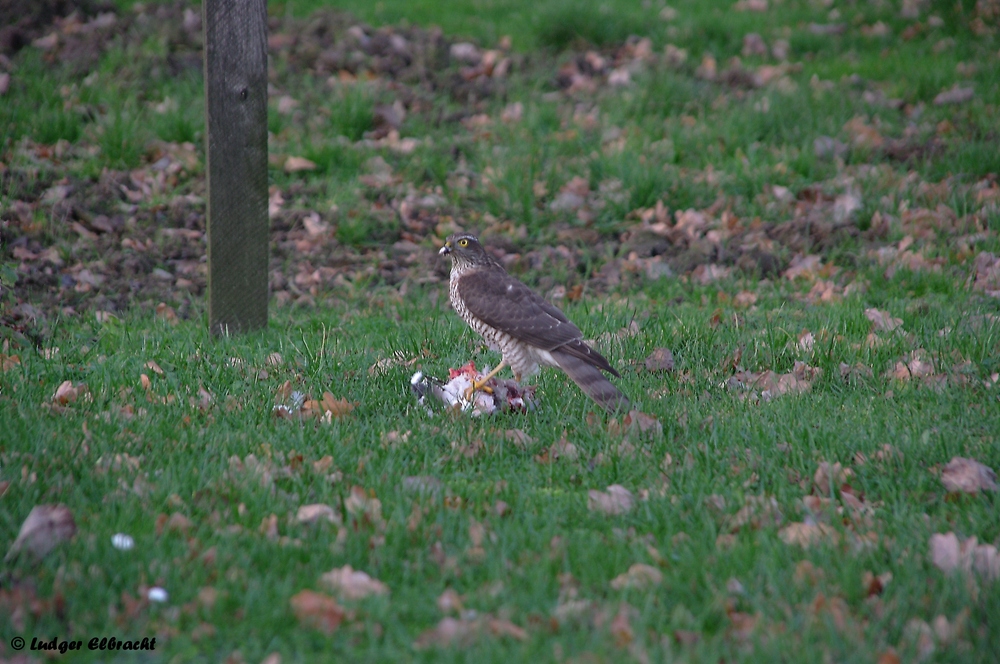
[{"x": 798, "y": 199}]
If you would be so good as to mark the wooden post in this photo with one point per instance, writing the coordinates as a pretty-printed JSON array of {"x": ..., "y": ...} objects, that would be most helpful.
[{"x": 236, "y": 140}]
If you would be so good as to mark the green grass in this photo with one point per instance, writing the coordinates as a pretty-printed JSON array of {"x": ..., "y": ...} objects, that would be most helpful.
[
  {"x": 720, "y": 445},
  {"x": 686, "y": 141}
]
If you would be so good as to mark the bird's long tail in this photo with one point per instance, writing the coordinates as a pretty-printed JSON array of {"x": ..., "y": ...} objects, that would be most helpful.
[{"x": 590, "y": 379}]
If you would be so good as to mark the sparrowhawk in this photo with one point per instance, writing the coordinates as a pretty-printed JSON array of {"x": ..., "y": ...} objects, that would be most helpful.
[{"x": 522, "y": 325}]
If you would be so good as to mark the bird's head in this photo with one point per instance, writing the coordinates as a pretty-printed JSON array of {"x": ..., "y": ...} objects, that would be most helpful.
[{"x": 464, "y": 249}]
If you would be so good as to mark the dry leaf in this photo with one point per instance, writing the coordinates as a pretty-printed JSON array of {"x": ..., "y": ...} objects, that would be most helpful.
[
  {"x": 561, "y": 449},
  {"x": 45, "y": 527},
  {"x": 621, "y": 630},
  {"x": 742, "y": 625},
  {"x": 945, "y": 551},
  {"x": 948, "y": 553},
  {"x": 207, "y": 596},
  {"x": 297, "y": 164},
  {"x": 637, "y": 422},
  {"x": 830, "y": 476},
  {"x": 874, "y": 585},
  {"x": 616, "y": 500},
  {"x": 888, "y": 657},
  {"x": 349, "y": 583},
  {"x": 707, "y": 273},
  {"x": 639, "y": 576},
  {"x": 176, "y": 522},
  {"x": 317, "y": 512},
  {"x": 968, "y": 476},
  {"x": 317, "y": 610},
  {"x": 446, "y": 632},
  {"x": 323, "y": 464},
  {"x": 204, "y": 401},
  {"x": 804, "y": 267},
  {"x": 660, "y": 359},
  {"x": 882, "y": 321},
  {"x": 167, "y": 313},
  {"x": 745, "y": 299},
  {"x": 269, "y": 527},
  {"x": 806, "y": 572},
  {"x": 862, "y": 134},
  {"x": 772, "y": 384},
  {"x": 956, "y": 95},
  {"x": 757, "y": 512},
  {"x": 363, "y": 507},
  {"x": 913, "y": 365},
  {"x": 336, "y": 407},
  {"x": 808, "y": 534},
  {"x": 67, "y": 393},
  {"x": 449, "y": 602},
  {"x": 8, "y": 362}
]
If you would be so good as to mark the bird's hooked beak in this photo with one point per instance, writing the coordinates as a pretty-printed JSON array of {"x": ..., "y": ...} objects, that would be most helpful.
[{"x": 445, "y": 250}]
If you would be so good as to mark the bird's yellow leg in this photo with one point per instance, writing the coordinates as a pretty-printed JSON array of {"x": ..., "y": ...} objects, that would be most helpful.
[{"x": 481, "y": 383}]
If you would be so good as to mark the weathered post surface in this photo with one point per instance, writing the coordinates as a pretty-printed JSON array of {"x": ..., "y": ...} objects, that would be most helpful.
[{"x": 236, "y": 140}]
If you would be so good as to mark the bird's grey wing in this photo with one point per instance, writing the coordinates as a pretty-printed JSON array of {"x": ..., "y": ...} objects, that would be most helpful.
[{"x": 504, "y": 303}]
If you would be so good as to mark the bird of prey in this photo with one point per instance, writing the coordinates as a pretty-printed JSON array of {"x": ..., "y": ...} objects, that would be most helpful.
[{"x": 526, "y": 328}]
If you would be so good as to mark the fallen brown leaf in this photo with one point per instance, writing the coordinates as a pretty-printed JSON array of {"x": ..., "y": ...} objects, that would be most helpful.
[
  {"x": 808, "y": 534},
  {"x": 660, "y": 359},
  {"x": 772, "y": 384},
  {"x": 446, "y": 632},
  {"x": 956, "y": 95},
  {"x": 757, "y": 512},
  {"x": 645, "y": 425},
  {"x": 298, "y": 164},
  {"x": 948, "y": 553},
  {"x": 317, "y": 512},
  {"x": 621, "y": 629},
  {"x": 349, "y": 583},
  {"x": 830, "y": 476},
  {"x": 806, "y": 572},
  {"x": 317, "y": 610},
  {"x": 882, "y": 321},
  {"x": 742, "y": 625},
  {"x": 561, "y": 449},
  {"x": 638, "y": 576},
  {"x": 366, "y": 509},
  {"x": 45, "y": 528},
  {"x": 616, "y": 500},
  {"x": 68, "y": 393},
  {"x": 804, "y": 267},
  {"x": 862, "y": 134},
  {"x": 167, "y": 313},
  {"x": 889, "y": 657},
  {"x": 449, "y": 602},
  {"x": 874, "y": 585},
  {"x": 176, "y": 522},
  {"x": 503, "y": 627},
  {"x": 337, "y": 407},
  {"x": 968, "y": 476},
  {"x": 269, "y": 527}
]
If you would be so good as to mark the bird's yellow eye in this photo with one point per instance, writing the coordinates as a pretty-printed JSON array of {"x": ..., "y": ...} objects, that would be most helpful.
[{"x": 463, "y": 242}]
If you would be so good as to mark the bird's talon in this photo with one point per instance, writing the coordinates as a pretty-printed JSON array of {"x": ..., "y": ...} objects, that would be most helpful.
[{"x": 470, "y": 391}]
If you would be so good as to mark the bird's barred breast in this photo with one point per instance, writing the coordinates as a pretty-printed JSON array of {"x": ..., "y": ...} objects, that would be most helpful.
[{"x": 521, "y": 359}]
